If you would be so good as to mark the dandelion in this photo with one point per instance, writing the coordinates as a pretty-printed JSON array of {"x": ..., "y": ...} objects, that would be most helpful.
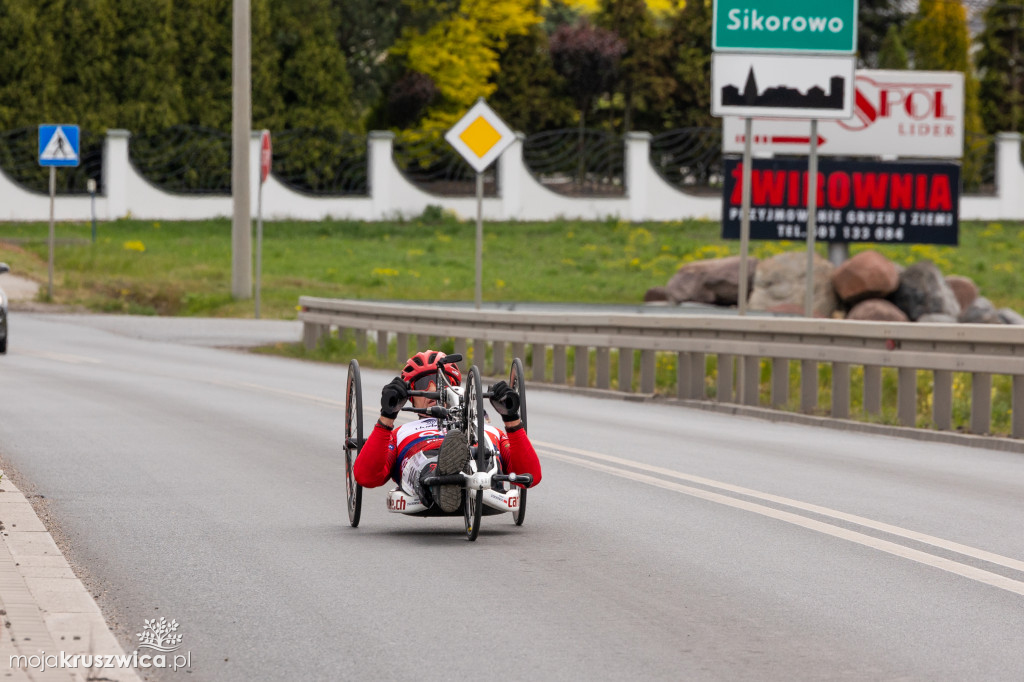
[
  {"x": 499, "y": 284},
  {"x": 385, "y": 272},
  {"x": 156, "y": 226},
  {"x": 135, "y": 245}
]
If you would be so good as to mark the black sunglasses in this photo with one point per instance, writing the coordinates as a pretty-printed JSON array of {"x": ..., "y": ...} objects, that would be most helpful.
[{"x": 423, "y": 383}]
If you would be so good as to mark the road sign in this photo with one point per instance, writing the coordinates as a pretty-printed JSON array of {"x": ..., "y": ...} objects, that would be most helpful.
[
  {"x": 803, "y": 26},
  {"x": 265, "y": 155},
  {"x": 480, "y": 136},
  {"x": 896, "y": 113},
  {"x": 788, "y": 86},
  {"x": 857, "y": 201},
  {"x": 58, "y": 145}
]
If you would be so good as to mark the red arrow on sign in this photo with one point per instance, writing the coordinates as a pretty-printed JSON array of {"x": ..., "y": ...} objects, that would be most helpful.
[{"x": 781, "y": 139}]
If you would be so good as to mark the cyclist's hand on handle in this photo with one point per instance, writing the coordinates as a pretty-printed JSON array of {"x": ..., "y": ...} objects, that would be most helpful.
[
  {"x": 505, "y": 401},
  {"x": 393, "y": 397}
]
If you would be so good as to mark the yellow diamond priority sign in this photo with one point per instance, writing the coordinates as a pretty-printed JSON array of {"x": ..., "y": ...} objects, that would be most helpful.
[{"x": 480, "y": 136}]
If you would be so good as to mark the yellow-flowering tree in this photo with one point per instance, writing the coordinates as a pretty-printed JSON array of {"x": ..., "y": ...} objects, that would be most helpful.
[{"x": 461, "y": 52}]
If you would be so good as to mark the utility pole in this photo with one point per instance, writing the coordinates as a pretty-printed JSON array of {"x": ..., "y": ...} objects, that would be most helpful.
[{"x": 241, "y": 123}]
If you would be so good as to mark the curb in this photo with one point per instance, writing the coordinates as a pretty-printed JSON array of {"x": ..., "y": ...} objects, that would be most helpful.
[{"x": 44, "y": 607}]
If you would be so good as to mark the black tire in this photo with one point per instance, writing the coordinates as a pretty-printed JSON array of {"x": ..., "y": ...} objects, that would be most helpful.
[
  {"x": 473, "y": 411},
  {"x": 517, "y": 381},
  {"x": 353, "y": 441}
]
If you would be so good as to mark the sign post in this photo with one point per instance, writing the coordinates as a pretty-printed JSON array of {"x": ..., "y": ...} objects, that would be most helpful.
[
  {"x": 58, "y": 148},
  {"x": 786, "y": 59},
  {"x": 480, "y": 137},
  {"x": 265, "y": 156}
]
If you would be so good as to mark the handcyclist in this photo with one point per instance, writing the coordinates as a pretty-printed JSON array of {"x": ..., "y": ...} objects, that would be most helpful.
[{"x": 406, "y": 453}]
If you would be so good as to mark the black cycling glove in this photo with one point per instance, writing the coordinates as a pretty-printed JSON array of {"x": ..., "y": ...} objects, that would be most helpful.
[
  {"x": 505, "y": 401},
  {"x": 393, "y": 397}
]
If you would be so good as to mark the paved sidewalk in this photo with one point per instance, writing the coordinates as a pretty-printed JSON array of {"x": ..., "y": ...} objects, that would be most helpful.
[{"x": 43, "y": 606}]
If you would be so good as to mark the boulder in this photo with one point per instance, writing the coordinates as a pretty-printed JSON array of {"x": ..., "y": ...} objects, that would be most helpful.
[
  {"x": 940, "y": 318},
  {"x": 869, "y": 274},
  {"x": 923, "y": 290},
  {"x": 964, "y": 289},
  {"x": 656, "y": 295},
  {"x": 980, "y": 311},
  {"x": 713, "y": 281},
  {"x": 877, "y": 310},
  {"x": 780, "y": 281},
  {"x": 1010, "y": 316}
]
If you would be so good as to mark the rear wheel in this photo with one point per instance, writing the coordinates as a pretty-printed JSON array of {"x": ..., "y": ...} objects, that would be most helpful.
[
  {"x": 473, "y": 411},
  {"x": 517, "y": 381},
  {"x": 353, "y": 440}
]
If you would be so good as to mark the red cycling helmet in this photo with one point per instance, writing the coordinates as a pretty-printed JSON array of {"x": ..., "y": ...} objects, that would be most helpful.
[{"x": 425, "y": 363}]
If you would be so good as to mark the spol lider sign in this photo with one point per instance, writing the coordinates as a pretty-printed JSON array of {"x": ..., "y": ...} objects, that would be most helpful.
[
  {"x": 828, "y": 26},
  {"x": 858, "y": 201}
]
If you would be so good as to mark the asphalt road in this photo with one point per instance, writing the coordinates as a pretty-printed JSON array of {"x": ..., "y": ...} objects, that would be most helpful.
[{"x": 206, "y": 485}]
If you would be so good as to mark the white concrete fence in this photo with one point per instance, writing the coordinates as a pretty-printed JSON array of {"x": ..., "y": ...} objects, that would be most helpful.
[
  {"x": 739, "y": 344},
  {"x": 125, "y": 193}
]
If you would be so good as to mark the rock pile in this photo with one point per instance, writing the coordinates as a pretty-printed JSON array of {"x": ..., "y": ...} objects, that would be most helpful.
[{"x": 868, "y": 286}]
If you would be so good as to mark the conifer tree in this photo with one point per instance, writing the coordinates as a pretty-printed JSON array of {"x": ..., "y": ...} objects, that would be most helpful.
[
  {"x": 892, "y": 54},
  {"x": 1001, "y": 66}
]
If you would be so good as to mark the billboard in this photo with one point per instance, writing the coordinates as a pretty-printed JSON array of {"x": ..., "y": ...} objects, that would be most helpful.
[
  {"x": 913, "y": 114},
  {"x": 858, "y": 201}
]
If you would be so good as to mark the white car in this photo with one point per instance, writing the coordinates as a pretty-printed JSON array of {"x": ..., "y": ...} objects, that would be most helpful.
[{"x": 3, "y": 313}]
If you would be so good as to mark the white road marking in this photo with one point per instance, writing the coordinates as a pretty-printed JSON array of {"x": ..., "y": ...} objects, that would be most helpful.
[{"x": 963, "y": 570}]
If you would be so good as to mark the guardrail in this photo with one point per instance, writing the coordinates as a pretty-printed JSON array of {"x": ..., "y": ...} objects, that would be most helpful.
[{"x": 741, "y": 345}]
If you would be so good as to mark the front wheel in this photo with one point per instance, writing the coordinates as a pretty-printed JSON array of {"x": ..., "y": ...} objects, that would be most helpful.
[
  {"x": 472, "y": 507},
  {"x": 353, "y": 441}
]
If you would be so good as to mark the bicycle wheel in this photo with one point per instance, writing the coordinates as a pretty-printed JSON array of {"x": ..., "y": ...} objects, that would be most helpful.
[
  {"x": 519, "y": 513},
  {"x": 473, "y": 413},
  {"x": 517, "y": 381},
  {"x": 353, "y": 440}
]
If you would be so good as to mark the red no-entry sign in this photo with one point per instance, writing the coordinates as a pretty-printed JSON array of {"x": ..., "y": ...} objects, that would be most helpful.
[{"x": 265, "y": 155}]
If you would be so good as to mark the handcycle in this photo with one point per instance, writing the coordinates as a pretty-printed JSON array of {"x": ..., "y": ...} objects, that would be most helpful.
[{"x": 486, "y": 490}]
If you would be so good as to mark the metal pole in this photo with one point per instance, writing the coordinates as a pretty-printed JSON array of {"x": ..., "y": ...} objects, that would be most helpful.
[
  {"x": 479, "y": 239},
  {"x": 745, "y": 212},
  {"x": 91, "y": 185},
  {"x": 259, "y": 246},
  {"x": 241, "y": 122},
  {"x": 812, "y": 218},
  {"x": 53, "y": 231}
]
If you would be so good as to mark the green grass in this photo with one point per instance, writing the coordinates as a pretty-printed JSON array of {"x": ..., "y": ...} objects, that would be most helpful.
[{"x": 185, "y": 267}]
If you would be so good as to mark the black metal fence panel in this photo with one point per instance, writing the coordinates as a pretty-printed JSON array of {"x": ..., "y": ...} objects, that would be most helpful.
[
  {"x": 321, "y": 161},
  {"x": 689, "y": 158},
  {"x": 577, "y": 162},
  {"x": 434, "y": 166},
  {"x": 19, "y": 160},
  {"x": 184, "y": 159}
]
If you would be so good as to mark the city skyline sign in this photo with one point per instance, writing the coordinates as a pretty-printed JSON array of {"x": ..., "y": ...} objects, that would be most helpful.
[
  {"x": 792, "y": 26},
  {"x": 783, "y": 86}
]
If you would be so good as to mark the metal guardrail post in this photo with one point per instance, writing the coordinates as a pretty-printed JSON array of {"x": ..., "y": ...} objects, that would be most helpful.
[
  {"x": 498, "y": 358},
  {"x": 780, "y": 382},
  {"x": 906, "y": 396},
  {"x": 725, "y": 378},
  {"x": 840, "y": 390},
  {"x": 872, "y": 389},
  {"x": 581, "y": 366},
  {"x": 1018, "y": 406},
  {"x": 626, "y": 370},
  {"x": 981, "y": 402},
  {"x": 648, "y": 368},
  {"x": 942, "y": 399},
  {"x": 540, "y": 362},
  {"x": 479, "y": 353},
  {"x": 382, "y": 345},
  {"x": 698, "y": 376},
  {"x": 402, "y": 347},
  {"x": 808, "y": 386},
  {"x": 558, "y": 365},
  {"x": 750, "y": 380},
  {"x": 603, "y": 360}
]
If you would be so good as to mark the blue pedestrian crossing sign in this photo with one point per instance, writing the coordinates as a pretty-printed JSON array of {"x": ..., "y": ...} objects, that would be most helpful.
[{"x": 58, "y": 145}]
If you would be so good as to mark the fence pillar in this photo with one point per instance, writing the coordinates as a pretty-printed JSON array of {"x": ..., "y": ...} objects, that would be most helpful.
[
  {"x": 638, "y": 165},
  {"x": 380, "y": 152},
  {"x": 981, "y": 402},
  {"x": 942, "y": 399},
  {"x": 116, "y": 167},
  {"x": 511, "y": 172}
]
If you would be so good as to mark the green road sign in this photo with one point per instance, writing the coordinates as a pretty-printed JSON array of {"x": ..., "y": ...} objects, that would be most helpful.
[{"x": 785, "y": 26}]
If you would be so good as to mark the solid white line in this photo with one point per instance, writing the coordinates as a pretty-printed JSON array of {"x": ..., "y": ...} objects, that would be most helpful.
[
  {"x": 970, "y": 572},
  {"x": 923, "y": 538}
]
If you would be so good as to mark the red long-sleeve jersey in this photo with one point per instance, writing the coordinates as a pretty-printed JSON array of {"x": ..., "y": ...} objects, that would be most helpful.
[{"x": 383, "y": 453}]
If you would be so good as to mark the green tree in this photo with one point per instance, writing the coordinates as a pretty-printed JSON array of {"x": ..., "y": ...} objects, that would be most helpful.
[
  {"x": 202, "y": 30},
  {"x": 460, "y": 53},
  {"x": 876, "y": 19},
  {"x": 29, "y": 71},
  {"x": 145, "y": 82},
  {"x": 1001, "y": 71},
  {"x": 892, "y": 54},
  {"x": 529, "y": 93},
  {"x": 641, "y": 83},
  {"x": 365, "y": 33},
  {"x": 939, "y": 40},
  {"x": 689, "y": 61}
]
